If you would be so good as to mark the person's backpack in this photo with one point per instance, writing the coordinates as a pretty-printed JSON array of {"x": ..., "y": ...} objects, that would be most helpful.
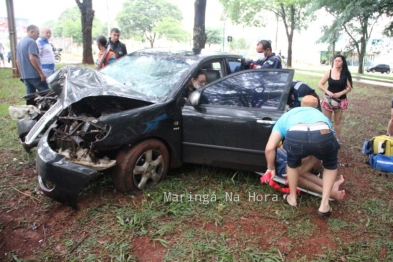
[{"x": 379, "y": 150}]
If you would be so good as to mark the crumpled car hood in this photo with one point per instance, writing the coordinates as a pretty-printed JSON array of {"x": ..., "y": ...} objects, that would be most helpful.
[{"x": 72, "y": 83}]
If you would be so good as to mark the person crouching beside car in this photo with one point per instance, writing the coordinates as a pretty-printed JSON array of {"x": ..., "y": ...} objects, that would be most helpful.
[
  {"x": 105, "y": 55},
  {"x": 307, "y": 132}
]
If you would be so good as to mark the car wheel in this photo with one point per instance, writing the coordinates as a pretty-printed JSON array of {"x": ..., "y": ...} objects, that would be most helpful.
[
  {"x": 373, "y": 71},
  {"x": 388, "y": 72},
  {"x": 141, "y": 167}
]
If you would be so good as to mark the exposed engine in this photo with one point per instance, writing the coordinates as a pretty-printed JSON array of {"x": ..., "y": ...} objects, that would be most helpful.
[{"x": 78, "y": 128}]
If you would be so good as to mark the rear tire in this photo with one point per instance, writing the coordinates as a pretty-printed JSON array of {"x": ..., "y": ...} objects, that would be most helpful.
[
  {"x": 141, "y": 167},
  {"x": 57, "y": 59},
  {"x": 373, "y": 71}
]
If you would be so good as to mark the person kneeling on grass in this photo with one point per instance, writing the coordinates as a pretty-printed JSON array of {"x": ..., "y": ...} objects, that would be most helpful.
[
  {"x": 308, "y": 180},
  {"x": 307, "y": 132}
]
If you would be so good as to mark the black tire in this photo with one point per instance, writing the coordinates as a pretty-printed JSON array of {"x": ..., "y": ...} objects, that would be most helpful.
[
  {"x": 388, "y": 72},
  {"x": 373, "y": 71},
  {"x": 57, "y": 59},
  {"x": 141, "y": 167}
]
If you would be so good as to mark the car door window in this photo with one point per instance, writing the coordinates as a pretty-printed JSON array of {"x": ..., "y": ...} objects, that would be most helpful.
[
  {"x": 234, "y": 66},
  {"x": 254, "y": 88}
]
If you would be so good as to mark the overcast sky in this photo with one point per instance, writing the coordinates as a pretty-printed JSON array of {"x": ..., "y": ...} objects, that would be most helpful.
[{"x": 40, "y": 11}]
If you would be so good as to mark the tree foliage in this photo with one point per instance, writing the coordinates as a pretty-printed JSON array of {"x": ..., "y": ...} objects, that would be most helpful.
[
  {"x": 213, "y": 36},
  {"x": 239, "y": 44},
  {"x": 69, "y": 24},
  {"x": 356, "y": 18},
  {"x": 142, "y": 16},
  {"x": 171, "y": 29},
  {"x": 294, "y": 14}
]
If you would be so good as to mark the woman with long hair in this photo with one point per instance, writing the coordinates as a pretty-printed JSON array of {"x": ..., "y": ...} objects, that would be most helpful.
[
  {"x": 339, "y": 85},
  {"x": 197, "y": 80}
]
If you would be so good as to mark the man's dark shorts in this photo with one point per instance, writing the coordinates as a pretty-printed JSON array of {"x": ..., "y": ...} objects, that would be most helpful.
[{"x": 319, "y": 143}]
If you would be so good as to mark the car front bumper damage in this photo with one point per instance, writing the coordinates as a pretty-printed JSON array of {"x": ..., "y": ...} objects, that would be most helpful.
[{"x": 58, "y": 178}]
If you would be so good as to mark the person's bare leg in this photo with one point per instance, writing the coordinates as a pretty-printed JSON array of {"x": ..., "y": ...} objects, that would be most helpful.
[
  {"x": 390, "y": 125},
  {"x": 308, "y": 164},
  {"x": 337, "y": 122},
  {"x": 293, "y": 175},
  {"x": 313, "y": 183},
  {"x": 329, "y": 176},
  {"x": 327, "y": 113}
]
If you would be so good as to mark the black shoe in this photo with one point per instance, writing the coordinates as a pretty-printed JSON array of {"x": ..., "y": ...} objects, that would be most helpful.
[
  {"x": 325, "y": 214},
  {"x": 286, "y": 200}
]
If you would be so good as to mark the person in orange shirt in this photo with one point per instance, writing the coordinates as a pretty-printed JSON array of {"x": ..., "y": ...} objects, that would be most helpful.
[{"x": 105, "y": 55}]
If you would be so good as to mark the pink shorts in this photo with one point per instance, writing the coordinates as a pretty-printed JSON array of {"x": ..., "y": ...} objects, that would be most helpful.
[{"x": 341, "y": 106}]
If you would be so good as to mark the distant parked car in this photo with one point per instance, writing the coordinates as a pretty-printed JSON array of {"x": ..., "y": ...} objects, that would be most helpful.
[{"x": 383, "y": 68}]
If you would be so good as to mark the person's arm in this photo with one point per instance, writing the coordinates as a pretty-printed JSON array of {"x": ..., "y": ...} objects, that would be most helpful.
[
  {"x": 124, "y": 49},
  {"x": 36, "y": 65},
  {"x": 322, "y": 83},
  {"x": 17, "y": 65},
  {"x": 270, "y": 152}
]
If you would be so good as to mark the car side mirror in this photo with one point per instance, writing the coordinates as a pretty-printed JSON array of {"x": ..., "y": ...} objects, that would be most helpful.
[{"x": 194, "y": 98}]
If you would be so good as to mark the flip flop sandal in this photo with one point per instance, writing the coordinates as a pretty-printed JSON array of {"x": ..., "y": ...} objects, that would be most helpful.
[{"x": 286, "y": 200}]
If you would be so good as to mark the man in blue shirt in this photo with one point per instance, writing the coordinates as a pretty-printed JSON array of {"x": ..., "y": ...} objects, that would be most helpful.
[
  {"x": 307, "y": 132},
  {"x": 271, "y": 60},
  {"x": 47, "y": 56},
  {"x": 29, "y": 63}
]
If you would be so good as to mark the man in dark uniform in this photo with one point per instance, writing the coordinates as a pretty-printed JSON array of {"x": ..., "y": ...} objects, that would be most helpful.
[
  {"x": 298, "y": 91},
  {"x": 270, "y": 61},
  {"x": 115, "y": 45}
]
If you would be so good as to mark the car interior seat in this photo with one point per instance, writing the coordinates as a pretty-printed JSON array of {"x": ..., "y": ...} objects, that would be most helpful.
[{"x": 212, "y": 75}]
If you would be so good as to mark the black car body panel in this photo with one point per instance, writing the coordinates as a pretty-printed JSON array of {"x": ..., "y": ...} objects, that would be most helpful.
[{"x": 101, "y": 117}]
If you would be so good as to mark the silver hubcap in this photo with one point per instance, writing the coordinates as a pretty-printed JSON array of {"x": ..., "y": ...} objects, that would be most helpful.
[{"x": 148, "y": 169}]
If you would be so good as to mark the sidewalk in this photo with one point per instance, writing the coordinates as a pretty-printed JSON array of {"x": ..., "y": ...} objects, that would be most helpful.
[{"x": 367, "y": 77}]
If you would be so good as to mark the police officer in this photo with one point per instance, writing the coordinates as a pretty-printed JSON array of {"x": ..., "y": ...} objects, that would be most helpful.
[{"x": 270, "y": 59}]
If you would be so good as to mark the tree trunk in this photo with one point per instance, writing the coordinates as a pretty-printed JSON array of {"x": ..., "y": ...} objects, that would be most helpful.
[
  {"x": 87, "y": 16},
  {"x": 199, "y": 38},
  {"x": 363, "y": 43},
  {"x": 290, "y": 31},
  {"x": 290, "y": 36}
]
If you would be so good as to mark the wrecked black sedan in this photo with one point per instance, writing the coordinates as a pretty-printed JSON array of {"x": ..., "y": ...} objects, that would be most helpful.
[{"x": 130, "y": 120}]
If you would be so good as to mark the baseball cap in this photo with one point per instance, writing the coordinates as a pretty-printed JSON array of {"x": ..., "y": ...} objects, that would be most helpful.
[{"x": 310, "y": 101}]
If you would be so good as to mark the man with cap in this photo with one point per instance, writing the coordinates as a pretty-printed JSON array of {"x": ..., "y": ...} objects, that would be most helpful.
[
  {"x": 298, "y": 91},
  {"x": 307, "y": 132}
]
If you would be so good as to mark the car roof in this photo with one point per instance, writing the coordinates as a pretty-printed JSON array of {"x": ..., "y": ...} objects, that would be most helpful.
[{"x": 186, "y": 54}]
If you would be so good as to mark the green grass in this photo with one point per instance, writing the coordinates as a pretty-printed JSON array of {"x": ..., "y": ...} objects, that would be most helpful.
[
  {"x": 376, "y": 75},
  {"x": 112, "y": 226}
]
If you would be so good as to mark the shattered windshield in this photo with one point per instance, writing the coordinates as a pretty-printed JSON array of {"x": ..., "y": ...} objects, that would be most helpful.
[{"x": 150, "y": 75}]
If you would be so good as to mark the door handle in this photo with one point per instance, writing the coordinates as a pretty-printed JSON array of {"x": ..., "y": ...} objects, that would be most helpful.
[{"x": 267, "y": 122}]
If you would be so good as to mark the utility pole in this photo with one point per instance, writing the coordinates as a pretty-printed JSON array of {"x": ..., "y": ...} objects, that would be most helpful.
[{"x": 12, "y": 36}]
